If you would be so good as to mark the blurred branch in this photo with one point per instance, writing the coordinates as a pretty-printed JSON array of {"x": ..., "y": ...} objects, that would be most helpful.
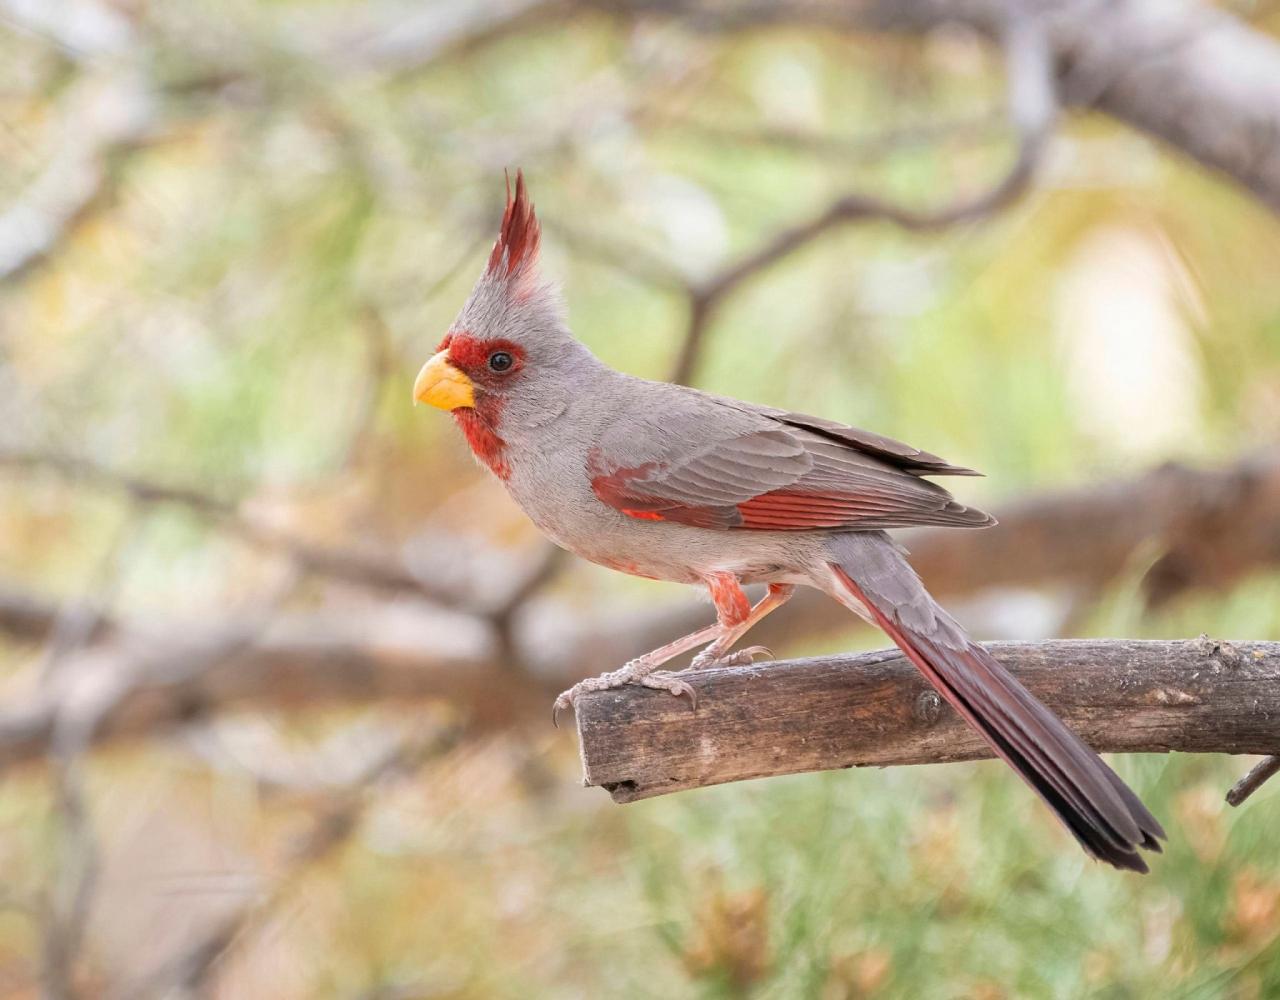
[
  {"x": 71, "y": 735},
  {"x": 1258, "y": 775},
  {"x": 1206, "y": 528},
  {"x": 337, "y": 819},
  {"x": 29, "y": 618},
  {"x": 80, "y": 28},
  {"x": 77, "y": 866},
  {"x": 1032, "y": 107},
  {"x": 407, "y": 37},
  {"x": 103, "y": 120},
  {"x": 1184, "y": 71},
  {"x": 79, "y": 701},
  {"x": 876, "y": 709},
  {"x": 376, "y": 570},
  {"x": 868, "y": 148},
  {"x": 1212, "y": 526},
  {"x": 22, "y": 615},
  {"x": 146, "y": 681}
]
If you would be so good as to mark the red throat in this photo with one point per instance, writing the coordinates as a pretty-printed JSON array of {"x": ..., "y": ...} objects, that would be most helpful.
[{"x": 484, "y": 441}]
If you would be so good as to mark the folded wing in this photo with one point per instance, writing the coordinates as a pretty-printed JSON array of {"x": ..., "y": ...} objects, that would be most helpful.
[{"x": 779, "y": 472}]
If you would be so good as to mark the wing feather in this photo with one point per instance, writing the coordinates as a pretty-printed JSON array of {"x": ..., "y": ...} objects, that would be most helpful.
[{"x": 777, "y": 471}]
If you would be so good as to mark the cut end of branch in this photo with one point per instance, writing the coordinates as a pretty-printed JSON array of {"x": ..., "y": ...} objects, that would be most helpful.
[{"x": 1258, "y": 776}]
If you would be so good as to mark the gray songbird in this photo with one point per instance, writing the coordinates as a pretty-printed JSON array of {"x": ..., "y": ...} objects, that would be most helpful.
[{"x": 670, "y": 483}]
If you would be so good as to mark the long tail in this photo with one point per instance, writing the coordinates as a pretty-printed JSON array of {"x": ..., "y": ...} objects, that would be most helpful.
[{"x": 1099, "y": 809}]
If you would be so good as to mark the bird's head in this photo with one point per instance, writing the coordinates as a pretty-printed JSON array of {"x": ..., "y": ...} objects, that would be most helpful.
[
  {"x": 511, "y": 327},
  {"x": 508, "y": 364}
]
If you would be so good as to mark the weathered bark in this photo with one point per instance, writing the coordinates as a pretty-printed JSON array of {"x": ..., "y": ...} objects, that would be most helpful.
[{"x": 1196, "y": 696}]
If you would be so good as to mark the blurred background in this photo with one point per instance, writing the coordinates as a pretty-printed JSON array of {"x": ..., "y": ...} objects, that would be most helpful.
[{"x": 278, "y": 657}]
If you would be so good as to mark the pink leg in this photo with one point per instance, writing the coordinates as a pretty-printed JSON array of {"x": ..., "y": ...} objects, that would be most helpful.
[
  {"x": 643, "y": 670},
  {"x": 734, "y": 625},
  {"x": 734, "y": 616}
]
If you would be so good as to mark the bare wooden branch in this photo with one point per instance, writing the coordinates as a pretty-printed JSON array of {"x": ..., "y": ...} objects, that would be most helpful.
[
  {"x": 876, "y": 709},
  {"x": 1258, "y": 775}
]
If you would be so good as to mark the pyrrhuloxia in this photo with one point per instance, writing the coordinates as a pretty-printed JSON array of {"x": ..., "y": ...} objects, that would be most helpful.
[{"x": 667, "y": 482}]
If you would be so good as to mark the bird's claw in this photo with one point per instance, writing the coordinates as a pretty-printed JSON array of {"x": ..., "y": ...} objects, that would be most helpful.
[
  {"x": 563, "y": 700},
  {"x": 742, "y": 657},
  {"x": 664, "y": 680},
  {"x": 636, "y": 672}
]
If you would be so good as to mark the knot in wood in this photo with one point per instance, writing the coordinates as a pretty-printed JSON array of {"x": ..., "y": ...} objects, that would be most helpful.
[
  {"x": 1221, "y": 650},
  {"x": 928, "y": 707}
]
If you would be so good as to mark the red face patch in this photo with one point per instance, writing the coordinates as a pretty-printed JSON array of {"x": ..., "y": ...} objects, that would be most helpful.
[
  {"x": 475, "y": 356},
  {"x": 491, "y": 364}
]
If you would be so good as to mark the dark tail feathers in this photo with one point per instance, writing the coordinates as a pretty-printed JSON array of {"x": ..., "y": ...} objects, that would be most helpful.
[{"x": 1099, "y": 809}]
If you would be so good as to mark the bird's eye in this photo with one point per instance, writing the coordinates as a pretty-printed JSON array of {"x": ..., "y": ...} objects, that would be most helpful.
[{"x": 500, "y": 361}]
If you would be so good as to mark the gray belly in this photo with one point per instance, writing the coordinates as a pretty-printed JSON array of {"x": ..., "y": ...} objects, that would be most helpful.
[
  {"x": 554, "y": 491},
  {"x": 585, "y": 526}
]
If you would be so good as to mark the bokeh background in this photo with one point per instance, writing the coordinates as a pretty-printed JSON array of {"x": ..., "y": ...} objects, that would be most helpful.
[{"x": 278, "y": 657}]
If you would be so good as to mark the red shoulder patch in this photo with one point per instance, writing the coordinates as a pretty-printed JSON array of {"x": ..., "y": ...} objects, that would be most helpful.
[
  {"x": 642, "y": 515},
  {"x": 617, "y": 489},
  {"x": 787, "y": 510}
]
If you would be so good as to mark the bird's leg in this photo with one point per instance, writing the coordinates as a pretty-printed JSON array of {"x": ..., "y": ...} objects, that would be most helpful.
[
  {"x": 736, "y": 618},
  {"x": 643, "y": 670}
]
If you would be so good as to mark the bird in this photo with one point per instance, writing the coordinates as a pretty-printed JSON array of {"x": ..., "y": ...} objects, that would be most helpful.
[{"x": 667, "y": 482}]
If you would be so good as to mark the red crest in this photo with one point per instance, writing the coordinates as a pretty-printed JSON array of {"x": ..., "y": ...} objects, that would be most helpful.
[{"x": 518, "y": 241}]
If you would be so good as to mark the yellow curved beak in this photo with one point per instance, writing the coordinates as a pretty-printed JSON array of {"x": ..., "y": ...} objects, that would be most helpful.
[{"x": 441, "y": 385}]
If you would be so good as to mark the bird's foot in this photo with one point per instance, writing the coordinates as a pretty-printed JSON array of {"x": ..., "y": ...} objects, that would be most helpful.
[
  {"x": 710, "y": 657},
  {"x": 638, "y": 671}
]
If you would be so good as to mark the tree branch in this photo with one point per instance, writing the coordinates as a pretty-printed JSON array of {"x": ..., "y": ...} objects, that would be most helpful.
[
  {"x": 876, "y": 709},
  {"x": 1207, "y": 527},
  {"x": 145, "y": 681},
  {"x": 1185, "y": 72},
  {"x": 360, "y": 566},
  {"x": 1032, "y": 107},
  {"x": 105, "y": 118},
  {"x": 1258, "y": 775},
  {"x": 406, "y": 38}
]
